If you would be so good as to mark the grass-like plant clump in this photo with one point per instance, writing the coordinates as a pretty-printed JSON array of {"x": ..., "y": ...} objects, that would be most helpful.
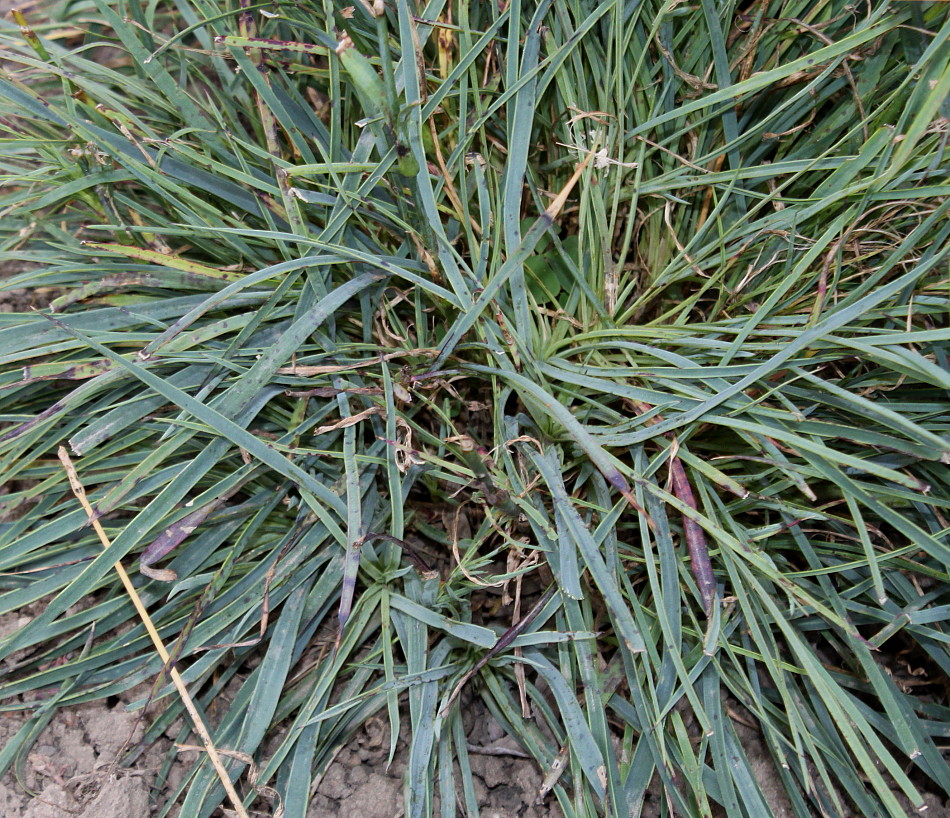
[{"x": 588, "y": 357}]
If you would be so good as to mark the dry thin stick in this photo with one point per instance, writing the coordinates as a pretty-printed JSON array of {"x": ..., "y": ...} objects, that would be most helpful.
[
  {"x": 200, "y": 728},
  {"x": 330, "y": 369},
  {"x": 497, "y": 751},
  {"x": 519, "y": 665},
  {"x": 450, "y": 190}
]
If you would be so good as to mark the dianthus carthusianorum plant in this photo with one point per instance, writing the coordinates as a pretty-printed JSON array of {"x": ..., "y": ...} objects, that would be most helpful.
[{"x": 589, "y": 358}]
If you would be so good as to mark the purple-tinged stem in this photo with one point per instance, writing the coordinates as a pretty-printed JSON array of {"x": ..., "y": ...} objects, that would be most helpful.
[{"x": 695, "y": 538}]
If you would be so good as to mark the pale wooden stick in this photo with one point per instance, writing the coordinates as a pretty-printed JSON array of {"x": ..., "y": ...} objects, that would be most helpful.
[{"x": 200, "y": 728}]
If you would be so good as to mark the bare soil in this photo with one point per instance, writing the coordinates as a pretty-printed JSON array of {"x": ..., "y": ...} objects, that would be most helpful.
[{"x": 69, "y": 769}]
